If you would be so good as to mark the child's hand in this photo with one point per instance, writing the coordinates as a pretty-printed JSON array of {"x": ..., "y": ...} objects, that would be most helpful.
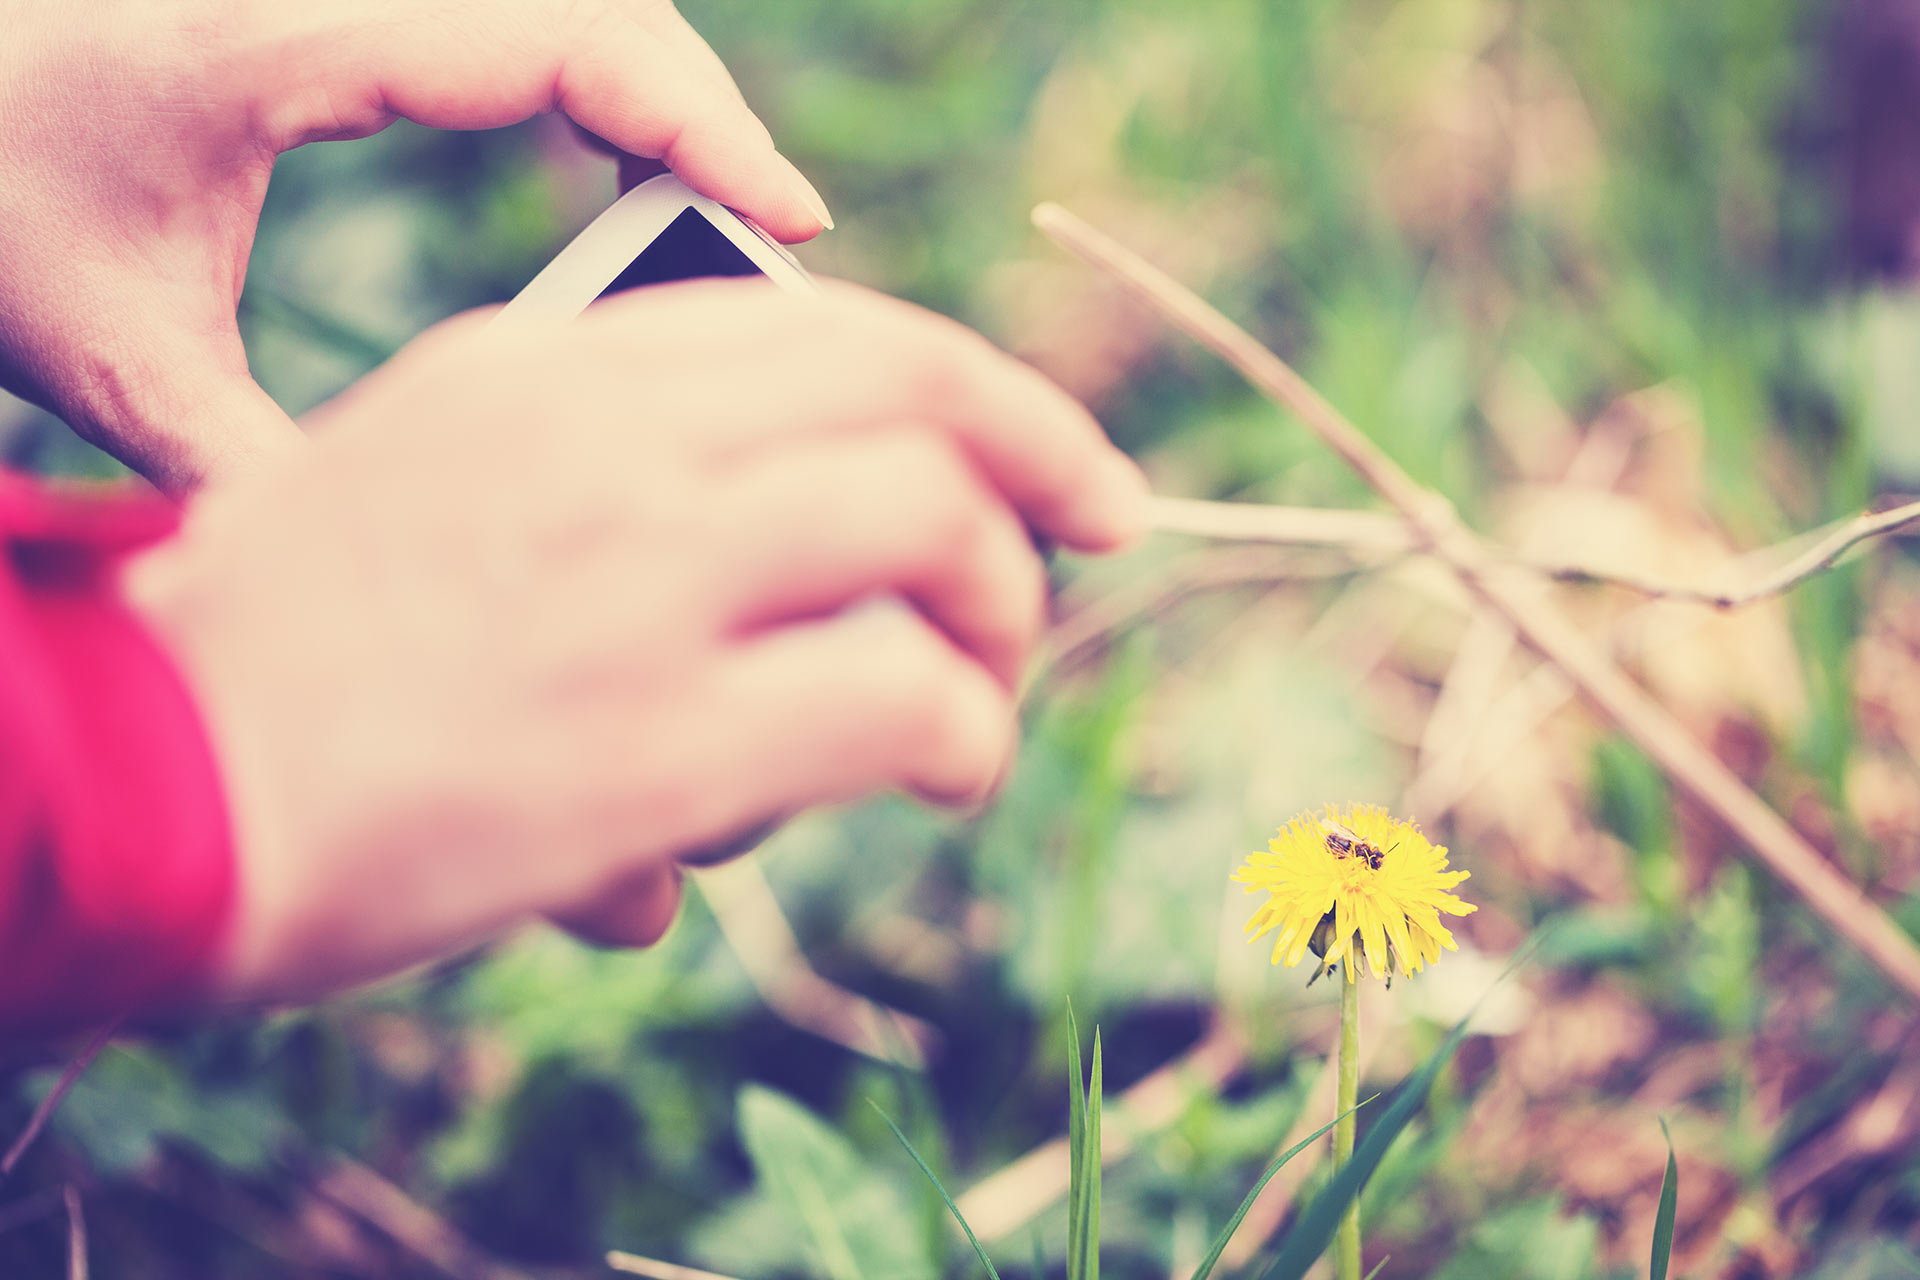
[
  {"x": 536, "y": 617},
  {"x": 136, "y": 138}
]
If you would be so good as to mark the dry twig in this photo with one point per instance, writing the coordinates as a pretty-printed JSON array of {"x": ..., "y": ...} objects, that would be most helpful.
[
  {"x": 1516, "y": 597},
  {"x": 76, "y": 1234},
  {"x": 1466, "y": 690},
  {"x": 301, "y": 1234},
  {"x": 1880, "y": 1124},
  {"x": 635, "y": 1265},
  {"x": 1824, "y": 552},
  {"x": 1373, "y": 531},
  {"x": 1080, "y": 633},
  {"x": 750, "y": 919},
  {"x": 1378, "y": 532},
  {"x": 1014, "y": 1195},
  {"x": 369, "y": 1197},
  {"x": 1511, "y": 718}
]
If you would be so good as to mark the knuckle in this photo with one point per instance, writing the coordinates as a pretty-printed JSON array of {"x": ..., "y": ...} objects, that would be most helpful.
[
  {"x": 1025, "y": 597},
  {"x": 936, "y": 362},
  {"x": 908, "y": 658},
  {"x": 927, "y": 460},
  {"x": 955, "y": 723},
  {"x": 992, "y": 551},
  {"x": 935, "y": 374},
  {"x": 968, "y": 547},
  {"x": 975, "y": 737},
  {"x": 931, "y": 479},
  {"x": 1011, "y": 592},
  {"x": 962, "y": 521}
]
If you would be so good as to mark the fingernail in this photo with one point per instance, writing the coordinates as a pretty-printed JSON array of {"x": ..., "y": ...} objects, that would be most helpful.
[{"x": 808, "y": 195}]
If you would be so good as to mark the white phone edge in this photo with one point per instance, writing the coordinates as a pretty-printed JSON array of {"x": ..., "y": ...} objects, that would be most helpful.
[{"x": 581, "y": 272}]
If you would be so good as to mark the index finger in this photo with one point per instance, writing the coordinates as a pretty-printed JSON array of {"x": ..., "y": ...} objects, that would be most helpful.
[
  {"x": 654, "y": 97},
  {"x": 852, "y": 360},
  {"x": 350, "y": 73}
]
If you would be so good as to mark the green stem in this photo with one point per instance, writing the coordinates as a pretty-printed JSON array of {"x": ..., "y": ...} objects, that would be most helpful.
[{"x": 1346, "y": 1245}]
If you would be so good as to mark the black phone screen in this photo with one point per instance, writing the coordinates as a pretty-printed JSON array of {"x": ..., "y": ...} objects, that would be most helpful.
[{"x": 691, "y": 248}]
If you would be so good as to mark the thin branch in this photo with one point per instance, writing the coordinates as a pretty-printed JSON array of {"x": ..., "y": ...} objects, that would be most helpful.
[
  {"x": 76, "y": 1234},
  {"x": 301, "y": 1234},
  {"x": 750, "y": 918},
  {"x": 635, "y": 1265},
  {"x": 1090, "y": 624},
  {"x": 1258, "y": 522},
  {"x": 1880, "y": 1124},
  {"x": 1466, "y": 690},
  {"x": 1691, "y": 766},
  {"x": 1444, "y": 780},
  {"x": 1017, "y": 1193},
  {"x": 1379, "y": 532},
  {"x": 49, "y": 1104},
  {"x": 1822, "y": 555},
  {"x": 366, "y": 1195},
  {"x": 1526, "y": 704}
]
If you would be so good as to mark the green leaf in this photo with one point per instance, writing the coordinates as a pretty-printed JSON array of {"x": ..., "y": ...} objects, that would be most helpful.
[
  {"x": 1314, "y": 1230},
  {"x": 952, "y": 1208},
  {"x": 1376, "y": 1267},
  {"x": 858, "y": 1224},
  {"x": 1233, "y": 1224},
  {"x": 132, "y": 1100},
  {"x": 1663, "y": 1220},
  {"x": 1039, "y": 1258}
]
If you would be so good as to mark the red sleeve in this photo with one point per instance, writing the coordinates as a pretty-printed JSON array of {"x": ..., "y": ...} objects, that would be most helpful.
[{"x": 115, "y": 865}]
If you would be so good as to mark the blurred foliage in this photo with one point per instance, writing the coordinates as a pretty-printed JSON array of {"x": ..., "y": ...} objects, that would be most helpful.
[{"x": 1506, "y": 236}]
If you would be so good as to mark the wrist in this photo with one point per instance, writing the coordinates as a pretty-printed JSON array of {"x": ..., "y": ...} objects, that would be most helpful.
[
  {"x": 159, "y": 585},
  {"x": 361, "y": 847}
]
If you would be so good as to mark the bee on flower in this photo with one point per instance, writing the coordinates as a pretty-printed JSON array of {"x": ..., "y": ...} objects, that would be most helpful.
[{"x": 1362, "y": 879}]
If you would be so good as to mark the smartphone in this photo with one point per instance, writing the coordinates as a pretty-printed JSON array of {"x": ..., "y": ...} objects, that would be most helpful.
[{"x": 662, "y": 230}]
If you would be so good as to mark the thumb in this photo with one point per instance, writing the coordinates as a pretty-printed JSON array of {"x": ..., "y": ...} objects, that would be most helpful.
[
  {"x": 635, "y": 912},
  {"x": 638, "y": 909}
]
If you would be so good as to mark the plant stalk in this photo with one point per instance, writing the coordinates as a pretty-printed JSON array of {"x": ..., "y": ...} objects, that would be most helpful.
[{"x": 1346, "y": 1244}]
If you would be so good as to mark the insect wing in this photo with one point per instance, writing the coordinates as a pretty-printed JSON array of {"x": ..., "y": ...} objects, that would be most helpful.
[{"x": 1340, "y": 839}]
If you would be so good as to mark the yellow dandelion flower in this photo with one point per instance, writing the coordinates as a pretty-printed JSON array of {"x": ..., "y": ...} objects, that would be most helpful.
[{"x": 1362, "y": 879}]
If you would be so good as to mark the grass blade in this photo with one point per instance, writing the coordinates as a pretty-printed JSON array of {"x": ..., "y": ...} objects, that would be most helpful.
[
  {"x": 1314, "y": 1230},
  {"x": 1089, "y": 1206},
  {"x": 1376, "y": 1266},
  {"x": 1220, "y": 1241},
  {"x": 952, "y": 1208},
  {"x": 1039, "y": 1258},
  {"x": 1076, "y": 1133},
  {"x": 1663, "y": 1220}
]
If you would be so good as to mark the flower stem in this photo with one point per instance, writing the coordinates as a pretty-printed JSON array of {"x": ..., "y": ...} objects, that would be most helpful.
[{"x": 1346, "y": 1245}]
